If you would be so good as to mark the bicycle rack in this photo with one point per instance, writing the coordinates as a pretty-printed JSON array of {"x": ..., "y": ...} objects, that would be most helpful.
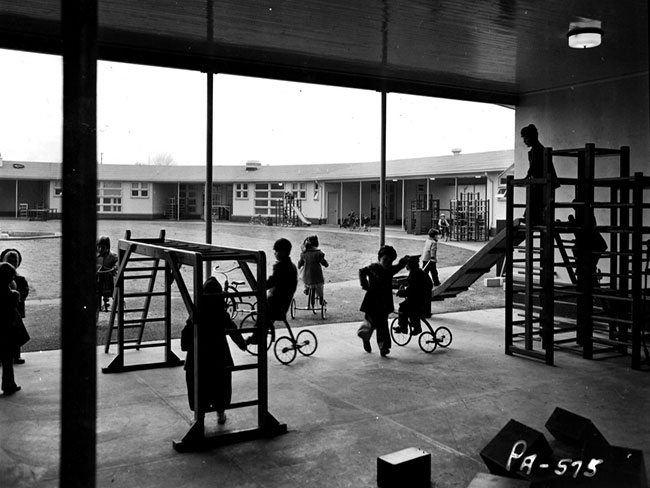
[{"x": 174, "y": 254}]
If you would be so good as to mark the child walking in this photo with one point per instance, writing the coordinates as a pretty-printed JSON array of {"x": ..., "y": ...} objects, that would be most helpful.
[
  {"x": 311, "y": 262},
  {"x": 106, "y": 270},
  {"x": 377, "y": 304},
  {"x": 430, "y": 256}
]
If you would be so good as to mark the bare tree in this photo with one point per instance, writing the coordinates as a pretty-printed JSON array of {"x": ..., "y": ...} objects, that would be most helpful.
[{"x": 162, "y": 159}]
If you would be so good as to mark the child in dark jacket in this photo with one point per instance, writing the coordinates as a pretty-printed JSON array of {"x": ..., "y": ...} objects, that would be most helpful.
[
  {"x": 417, "y": 294},
  {"x": 9, "y": 322},
  {"x": 215, "y": 379},
  {"x": 13, "y": 257},
  {"x": 377, "y": 304},
  {"x": 106, "y": 271},
  {"x": 281, "y": 286}
]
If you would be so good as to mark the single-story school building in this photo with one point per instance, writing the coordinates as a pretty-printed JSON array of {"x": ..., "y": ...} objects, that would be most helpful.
[{"x": 417, "y": 190}]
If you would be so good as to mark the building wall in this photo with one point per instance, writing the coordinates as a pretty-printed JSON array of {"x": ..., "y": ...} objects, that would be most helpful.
[{"x": 609, "y": 114}]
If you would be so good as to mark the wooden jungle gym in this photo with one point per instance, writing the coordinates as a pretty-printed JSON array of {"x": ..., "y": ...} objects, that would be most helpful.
[
  {"x": 562, "y": 291},
  {"x": 143, "y": 260}
]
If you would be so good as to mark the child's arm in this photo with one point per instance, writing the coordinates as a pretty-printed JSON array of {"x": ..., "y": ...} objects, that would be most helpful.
[
  {"x": 363, "y": 278},
  {"x": 323, "y": 261},
  {"x": 235, "y": 335}
]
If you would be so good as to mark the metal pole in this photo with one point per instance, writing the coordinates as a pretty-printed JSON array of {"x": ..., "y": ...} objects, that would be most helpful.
[
  {"x": 208, "y": 166},
  {"x": 382, "y": 180},
  {"x": 79, "y": 228}
]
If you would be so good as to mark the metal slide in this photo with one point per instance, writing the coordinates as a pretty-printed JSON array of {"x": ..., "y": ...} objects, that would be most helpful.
[{"x": 476, "y": 266}]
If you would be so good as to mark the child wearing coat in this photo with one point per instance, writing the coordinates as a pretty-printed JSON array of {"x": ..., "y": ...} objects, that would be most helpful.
[
  {"x": 13, "y": 257},
  {"x": 12, "y": 331},
  {"x": 215, "y": 378},
  {"x": 311, "y": 262},
  {"x": 377, "y": 304}
]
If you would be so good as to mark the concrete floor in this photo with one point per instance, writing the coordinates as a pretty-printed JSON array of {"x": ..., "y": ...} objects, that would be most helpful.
[{"x": 343, "y": 408}]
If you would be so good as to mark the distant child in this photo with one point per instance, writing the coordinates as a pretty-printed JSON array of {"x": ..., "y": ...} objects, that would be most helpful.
[
  {"x": 417, "y": 294},
  {"x": 377, "y": 304},
  {"x": 281, "y": 286},
  {"x": 106, "y": 271},
  {"x": 215, "y": 377},
  {"x": 430, "y": 256},
  {"x": 443, "y": 226},
  {"x": 10, "y": 324},
  {"x": 311, "y": 262},
  {"x": 13, "y": 257}
]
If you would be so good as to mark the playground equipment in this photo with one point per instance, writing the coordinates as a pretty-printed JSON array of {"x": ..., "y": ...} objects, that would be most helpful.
[
  {"x": 428, "y": 340},
  {"x": 143, "y": 260},
  {"x": 567, "y": 303},
  {"x": 470, "y": 217},
  {"x": 288, "y": 211}
]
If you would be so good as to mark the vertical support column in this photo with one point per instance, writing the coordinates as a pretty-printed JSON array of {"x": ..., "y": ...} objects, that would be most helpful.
[
  {"x": 529, "y": 295},
  {"x": 547, "y": 261},
  {"x": 199, "y": 413},
  {"x": 382, "y": 180},
  {"x": 263, "y": 419},
  {"x": 508, "y": 265},
  {"x": 168, "y": 312},
  {"x": 637, "y": 314},
  {"x": 79, "y": 228},
  {"x": 585, "y": 272},
  {"x": 624, "y": 258}
]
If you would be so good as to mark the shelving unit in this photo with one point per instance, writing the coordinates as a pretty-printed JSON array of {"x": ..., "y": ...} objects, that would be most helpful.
[
  {"x": 556, "y": 297},
  {"x": 422, "y": 217}
]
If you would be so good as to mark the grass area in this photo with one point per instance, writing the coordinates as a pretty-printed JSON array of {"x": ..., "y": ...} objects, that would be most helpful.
[{"x": 346, "y": 252}]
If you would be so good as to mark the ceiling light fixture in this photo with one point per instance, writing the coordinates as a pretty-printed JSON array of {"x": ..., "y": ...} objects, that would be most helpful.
[{"x": 585, "y": 34}]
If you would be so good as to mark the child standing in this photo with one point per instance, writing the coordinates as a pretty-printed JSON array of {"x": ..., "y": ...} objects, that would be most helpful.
[
  {"x": 215, "y": 377},
  {"x": 106, "y": 270},
  {"x": 377, "y": 304},
  {"x": 13, "y": 257},
  {"x": 430, "y": 256},
  {"x": 12, "y": 331},
  {"x": 311, "y": 262}
]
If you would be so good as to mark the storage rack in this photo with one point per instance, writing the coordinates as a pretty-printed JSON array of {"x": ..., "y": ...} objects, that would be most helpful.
[{"x": 555, "y": 300}]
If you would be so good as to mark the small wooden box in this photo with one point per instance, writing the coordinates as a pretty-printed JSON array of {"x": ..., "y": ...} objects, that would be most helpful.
[{"x": 411, "y": 463}]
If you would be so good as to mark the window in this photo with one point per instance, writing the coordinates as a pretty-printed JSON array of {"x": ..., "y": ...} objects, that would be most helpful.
[
  {"x": 109, "y": 197},
  {"x": 58, "y": 188},
  {"x": 241, "y": 191},
  {"x": 140, "y": 190},
  {"x": 501, "y": 193},
  {"x": 316, "y": 190},
  {"x": 267, "y": 197},
  {"x": 298, "y": 190}
]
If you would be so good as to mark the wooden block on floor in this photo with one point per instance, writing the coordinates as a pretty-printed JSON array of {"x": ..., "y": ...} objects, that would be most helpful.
[
  {"x": 411, "y": 463},
  {"x": 494, "y": 281},
  {"x": 486, "y": 480}
]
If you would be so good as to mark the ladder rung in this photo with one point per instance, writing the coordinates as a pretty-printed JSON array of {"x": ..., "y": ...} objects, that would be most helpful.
[
  {"x": 134, "y": 310},
  {"x": 145, "y": 294},
  {"x": 139, "y": 321},
  {"x": 146, "y": 344},
  {"x": 144, "y": 268},
  {"x": 137, "y": 277},
  {"x": 243, "y": 367},
  {"x": 250, "y": 403}
]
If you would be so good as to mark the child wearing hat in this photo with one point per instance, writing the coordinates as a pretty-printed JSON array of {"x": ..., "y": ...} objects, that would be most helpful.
[
  {"x": 430, "y": 256},
  {"x": 13, "y": 257}
]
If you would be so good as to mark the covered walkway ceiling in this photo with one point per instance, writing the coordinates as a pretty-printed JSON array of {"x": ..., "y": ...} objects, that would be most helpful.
[{"x": 487, "y": 50}]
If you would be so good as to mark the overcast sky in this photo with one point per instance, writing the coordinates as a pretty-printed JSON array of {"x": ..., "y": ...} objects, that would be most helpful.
[{"x": 144, "y": 112}]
